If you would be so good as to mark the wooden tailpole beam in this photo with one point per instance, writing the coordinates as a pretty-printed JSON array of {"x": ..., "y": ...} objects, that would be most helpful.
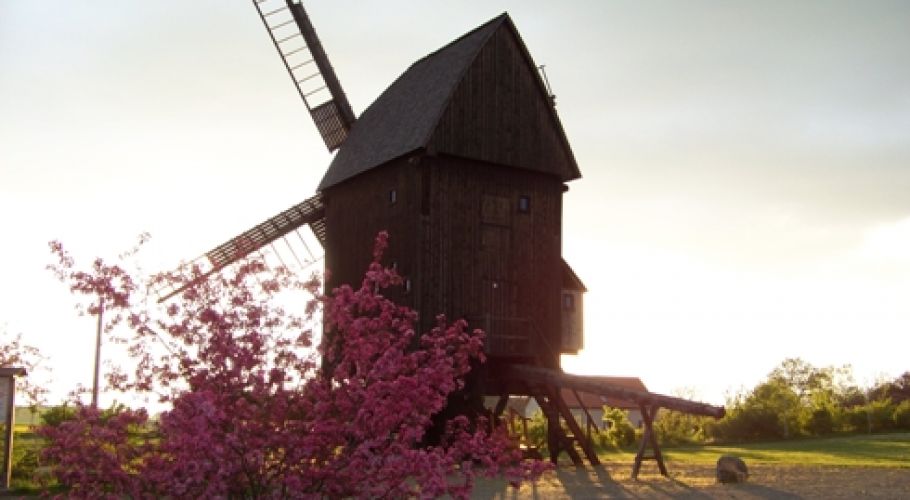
[
  {"x": 549, "y": 377},
  {"x": 648, "y": 402},
  {"x": 648, "y": 440}
]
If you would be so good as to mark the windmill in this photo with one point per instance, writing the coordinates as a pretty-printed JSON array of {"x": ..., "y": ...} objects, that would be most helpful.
[{"x": 464, "y": 161}]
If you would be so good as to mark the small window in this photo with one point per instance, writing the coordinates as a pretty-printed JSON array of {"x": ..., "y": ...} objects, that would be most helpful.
[
  {"x": 407, "y": 286},
  {"x": 568, "y": 302},
  {"x": 393, "y": 196},
  {"x": 524, "y": 204}
]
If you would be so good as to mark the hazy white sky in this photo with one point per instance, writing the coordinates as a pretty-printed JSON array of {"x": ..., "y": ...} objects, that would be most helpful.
[{"x": 746, "y": 165}]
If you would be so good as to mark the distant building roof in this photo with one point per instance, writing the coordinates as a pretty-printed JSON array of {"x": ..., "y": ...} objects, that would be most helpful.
[{"x": 404, "y": 118}]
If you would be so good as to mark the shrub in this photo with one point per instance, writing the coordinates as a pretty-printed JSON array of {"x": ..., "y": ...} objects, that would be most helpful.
[
  {"x": 746, "y": 424},
  {"x": 675, "y": 428},
  {"x": 881, "y": 414},
  {"x": 820, "y": 422},
  {"x": 902, "y": 415},
  {"x": 25, "y": 457},
  {"x": 620, "y": 432},
  {"x": 537, "y": 432},
  {"x": 56, "y": 415},
  {"x": 855, "y": 419}
]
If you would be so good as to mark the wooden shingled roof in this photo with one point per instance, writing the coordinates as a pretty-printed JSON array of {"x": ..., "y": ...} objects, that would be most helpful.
[
  {"x": 570, "y": 280},
  {"x": 407, "y": 114}
]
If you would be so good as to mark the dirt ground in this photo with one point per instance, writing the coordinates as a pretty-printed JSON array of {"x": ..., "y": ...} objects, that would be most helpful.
[{"x": 697, "y": 481}]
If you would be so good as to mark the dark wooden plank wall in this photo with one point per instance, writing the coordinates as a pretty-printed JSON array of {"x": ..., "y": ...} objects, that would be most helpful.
[
  {"x": 358, "y": 209},
  {"x": 461, "y": 259},
  {"x": 500, "y": 114}
]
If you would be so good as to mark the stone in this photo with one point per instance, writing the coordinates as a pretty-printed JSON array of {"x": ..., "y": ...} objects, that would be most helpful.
[{"x": 731, "y": 469}]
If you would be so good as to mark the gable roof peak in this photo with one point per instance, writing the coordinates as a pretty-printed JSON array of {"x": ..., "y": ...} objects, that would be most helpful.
[{"x": 404, "y": 118}]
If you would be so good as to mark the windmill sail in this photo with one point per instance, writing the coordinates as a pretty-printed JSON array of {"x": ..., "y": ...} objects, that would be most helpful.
[
  {"x": 295, "y": 39},
  {"x": 309, "y": 212}
]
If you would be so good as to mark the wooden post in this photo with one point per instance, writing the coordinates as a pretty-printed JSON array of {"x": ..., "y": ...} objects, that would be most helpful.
[
  {"x": 573, "y": 426},
  {"x": 8, "y": 405},
  {"x": 649, "y": 439},
  {"x": 500, "y": 406},
  {"x": 95, "y": 379},
  {"x": 590, "y": 420},
  {"x": 556, "y": 439}
]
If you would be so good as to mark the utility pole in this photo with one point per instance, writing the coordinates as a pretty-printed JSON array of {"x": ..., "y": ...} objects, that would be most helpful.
[{"x": 98, "y": 353}]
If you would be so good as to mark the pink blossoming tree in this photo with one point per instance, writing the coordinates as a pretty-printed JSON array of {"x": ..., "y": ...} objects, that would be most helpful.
[
  {"x": 257, "y": 412},
  {"x": 14, "y": 353}
]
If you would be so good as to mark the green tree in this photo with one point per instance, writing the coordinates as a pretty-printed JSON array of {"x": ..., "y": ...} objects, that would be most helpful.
[
  {"x": 809, "y": 382},
  {"x": 898, "y": 390},
  {"x": 769, "y": 411}
]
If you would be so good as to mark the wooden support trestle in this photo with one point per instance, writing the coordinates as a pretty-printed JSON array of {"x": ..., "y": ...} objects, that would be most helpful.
[
  {"x": 649, "y": 439},
  {"x": 546, "y": 385}
]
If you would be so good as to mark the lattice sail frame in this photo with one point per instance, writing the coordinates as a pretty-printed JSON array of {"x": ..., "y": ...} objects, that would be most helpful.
[
  {"x": 286, "y": 225},
  {"x": 308, "y": 65}
]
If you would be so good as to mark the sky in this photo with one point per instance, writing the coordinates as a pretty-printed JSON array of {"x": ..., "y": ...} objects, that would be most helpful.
[{"x": 746, "y": 165}]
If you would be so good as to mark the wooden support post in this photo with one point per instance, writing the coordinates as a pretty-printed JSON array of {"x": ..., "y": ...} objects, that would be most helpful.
[
  {"x": 556, "y": 438},
  {"x": 500, "y": 406},
  {"x": 524, "y": 428},
  {"x": 649, "y": 439},
  {"x": 573, "y": 426},
  {"x": 590, "y": 420},
  {"x": 8, "y": 410}
]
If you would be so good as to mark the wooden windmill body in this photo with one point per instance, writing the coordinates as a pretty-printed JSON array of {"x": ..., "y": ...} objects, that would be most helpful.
[{"x": 464, "y": 162}]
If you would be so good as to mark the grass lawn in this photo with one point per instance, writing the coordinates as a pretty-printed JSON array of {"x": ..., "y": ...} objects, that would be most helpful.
[
  {"x": 838, "y": 467},
  {"x": 844, "y": 467},
  {"x": 876, "y": 450}
]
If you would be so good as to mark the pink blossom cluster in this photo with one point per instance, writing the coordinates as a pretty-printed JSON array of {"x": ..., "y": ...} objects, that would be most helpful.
[
  {"x": 256, "y": 413},
  {"x": 14, "y": 353}
]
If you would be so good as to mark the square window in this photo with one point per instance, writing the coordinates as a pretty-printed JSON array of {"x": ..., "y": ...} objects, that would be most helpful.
[
  {"x": 568, "y": 302},
  {"x": 524, "y": 204}
]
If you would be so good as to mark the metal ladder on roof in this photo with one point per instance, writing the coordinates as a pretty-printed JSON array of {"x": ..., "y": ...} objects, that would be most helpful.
[{"x": 295, "y": 40}]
